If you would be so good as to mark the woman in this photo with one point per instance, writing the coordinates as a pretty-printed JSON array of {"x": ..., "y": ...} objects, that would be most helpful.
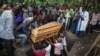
[
  {"x": 6, "y": 28},
  {"x": 75, "y": 21}
]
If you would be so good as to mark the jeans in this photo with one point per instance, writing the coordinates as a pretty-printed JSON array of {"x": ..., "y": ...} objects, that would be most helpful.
[{"x": 24, "y": 39}]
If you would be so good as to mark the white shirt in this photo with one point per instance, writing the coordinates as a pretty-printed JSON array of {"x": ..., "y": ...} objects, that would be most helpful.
[
  {"x": 48, "y": 49},
  {"x": 61, "y": 21},
  {"x": 6, "y": 25},
  {"x": 63, "y": 42}
]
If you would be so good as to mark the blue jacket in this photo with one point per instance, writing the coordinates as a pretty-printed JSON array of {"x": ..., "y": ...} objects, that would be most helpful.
[{"x": 19, "y": 17}]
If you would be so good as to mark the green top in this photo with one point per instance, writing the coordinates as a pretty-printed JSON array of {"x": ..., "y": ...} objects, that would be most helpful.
[{"x": 69, "y": 13}]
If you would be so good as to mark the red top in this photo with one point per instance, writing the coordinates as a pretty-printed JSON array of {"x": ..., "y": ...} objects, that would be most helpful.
[
  {"x": 35, "y": 11},
  {"x": 39, "y": 52}
]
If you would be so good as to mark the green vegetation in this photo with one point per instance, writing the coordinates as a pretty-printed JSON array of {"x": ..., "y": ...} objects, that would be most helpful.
[
  {"x": 94, "y": 4},
  {"x": 50, "y": 2}
]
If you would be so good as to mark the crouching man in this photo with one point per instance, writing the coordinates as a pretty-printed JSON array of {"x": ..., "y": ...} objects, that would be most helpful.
[{"x": 23, "y": 31}]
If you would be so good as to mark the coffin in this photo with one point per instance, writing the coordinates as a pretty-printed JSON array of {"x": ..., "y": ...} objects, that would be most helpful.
[{"x": 45, "y": 31}]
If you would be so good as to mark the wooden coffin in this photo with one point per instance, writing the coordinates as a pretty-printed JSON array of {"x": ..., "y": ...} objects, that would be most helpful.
[{"x": 48, "y": 30}]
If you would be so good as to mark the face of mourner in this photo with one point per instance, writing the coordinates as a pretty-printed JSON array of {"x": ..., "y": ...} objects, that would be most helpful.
[{"x": 61, "y": 35}]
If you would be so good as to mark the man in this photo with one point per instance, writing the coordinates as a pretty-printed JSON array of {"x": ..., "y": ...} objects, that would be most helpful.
[
  {"x": 94, "y": 20},
  {"x": 23, "y": 31},
  {"x": 53, "y": 13},
  {"x": 43, "y": 13},
  {"x": 6, "y": 29},
  {"x": 83, "y": 22},
  {"x": 61, "y": 20},
  {"x": 19, "y": 15}
]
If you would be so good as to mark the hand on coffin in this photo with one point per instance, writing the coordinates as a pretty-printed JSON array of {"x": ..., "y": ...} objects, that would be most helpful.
[
  {"x": 54, "y": 39},
  {"x": 47, "y": 41},
  {"x": 51, "y": 42}
]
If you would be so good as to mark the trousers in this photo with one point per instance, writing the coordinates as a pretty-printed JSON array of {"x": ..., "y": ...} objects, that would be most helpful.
[
  {"x": 8, "y": 44},
  {"x": 24, "y": 39}
]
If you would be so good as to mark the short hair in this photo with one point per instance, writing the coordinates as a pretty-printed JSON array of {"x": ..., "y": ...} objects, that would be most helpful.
[
  {"x": 11, "y": 5},
  {"x": 85, "y": 7},
  {"x": 59, "y": 40},
  {"x": 38, "y": 46}
]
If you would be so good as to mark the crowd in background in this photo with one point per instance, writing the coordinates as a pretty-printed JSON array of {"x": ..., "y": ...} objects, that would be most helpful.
[{"x": 17, "y": 20}]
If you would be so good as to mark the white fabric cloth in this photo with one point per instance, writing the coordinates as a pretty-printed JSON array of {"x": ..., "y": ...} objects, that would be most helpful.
[
  {"x": 28, "y": 19},
  {"x": 48, "y": 49}
]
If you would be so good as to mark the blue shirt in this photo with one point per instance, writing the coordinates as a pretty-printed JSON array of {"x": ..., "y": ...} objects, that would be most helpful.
[{"x": 21, "y": 29}]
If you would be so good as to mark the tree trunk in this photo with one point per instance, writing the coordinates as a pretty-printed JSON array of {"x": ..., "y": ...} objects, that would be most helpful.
[{"x": 96, "y": 4}]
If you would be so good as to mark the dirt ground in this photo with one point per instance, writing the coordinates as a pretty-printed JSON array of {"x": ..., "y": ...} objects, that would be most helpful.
[
  {"x": 76, "y": 46},
  {"x": 82, "y": 45}
]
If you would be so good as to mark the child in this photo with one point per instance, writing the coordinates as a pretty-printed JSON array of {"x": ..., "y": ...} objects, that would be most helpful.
[
  {"x": 57, "y": 45},
  {"x": 38, "y": 50}
]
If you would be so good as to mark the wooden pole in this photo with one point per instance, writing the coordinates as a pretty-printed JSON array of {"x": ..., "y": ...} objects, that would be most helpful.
[
  {"x": 96, "y": 31},
  {"x": 94, "y": 44}
]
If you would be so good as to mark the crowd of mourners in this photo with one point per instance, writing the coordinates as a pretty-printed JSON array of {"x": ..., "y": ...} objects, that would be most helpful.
[{"x": 18, "y": 19}]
